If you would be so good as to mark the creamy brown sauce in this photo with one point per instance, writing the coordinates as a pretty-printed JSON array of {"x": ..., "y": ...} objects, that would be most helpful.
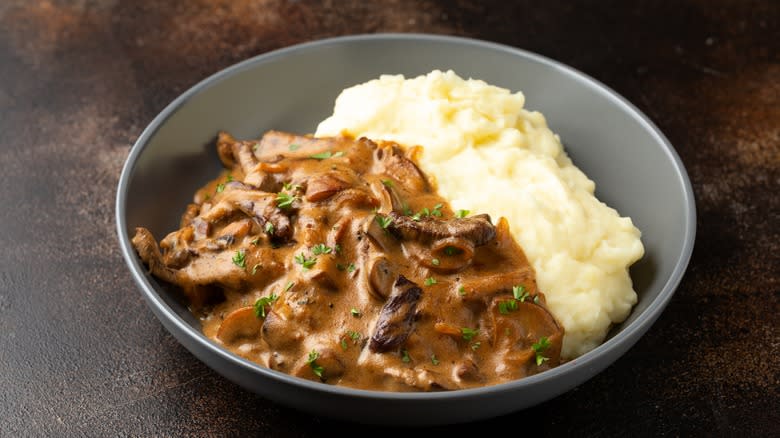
[{"x": 335, "y": 260}]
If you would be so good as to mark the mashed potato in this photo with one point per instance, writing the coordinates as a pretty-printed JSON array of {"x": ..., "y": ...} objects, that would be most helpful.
[{"x": 489, "y": 155}]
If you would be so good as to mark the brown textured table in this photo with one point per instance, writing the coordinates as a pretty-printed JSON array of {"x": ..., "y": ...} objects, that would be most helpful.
[{"x": 80, "y": 353}]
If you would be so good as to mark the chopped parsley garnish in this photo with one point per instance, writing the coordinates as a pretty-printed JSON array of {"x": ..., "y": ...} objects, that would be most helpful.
[
  {"x": 289, "y": 286},
  {"x": 462, "y": 213},
  {"x": 256, "y": 146},
  {"x": 291, "y": 187},
  {"x": 285, "y": 200},
  {"x": 269, "y": 228},
  {"x": 355, "y": 336},
  {"x": 321, "y": 248},
  {"x": 220, "y": 187},
  {"x": 306, "y": 262},
  {"x": 262, "y": 302},
  {"x": 519, "y": 292},
  {"x": 343, "y": 344},
  {"x": 434, "y": 360},
  {"x": 256, "y": 241},
  {"x": 229, "y": 178},
  {"x": 326, "y": 155},
  {"x": 312, "y": 361},
  {"x": 294, "y": 146},
  {"x": 255, "y": 267},
  {"x": 475, "y": 346},
  {"x": 462, "y": 291},
  {"x": 405, "y": 356},
  {"x": 430, "y": 281},
  {"x": 507, "y": 306},
  {"x": 337, "y": 248},
  {"x": 239, "y": 259},
  {"x": 387, "y": 182},
  {"x": 539, "y": 347},
  {"x": 349, "y": 268},
  {"x": 435, "y": 262},
  {"x": 469, "y": 333},
  {"x": 384, "y": 221},
  {"x": 425, "y": 212},
  {"x": 536, "y": 299},
  {"x": 355, "y": 312}
]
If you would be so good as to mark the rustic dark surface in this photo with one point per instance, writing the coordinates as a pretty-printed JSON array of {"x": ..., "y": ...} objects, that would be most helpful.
[{"x": 80, "y": 352}]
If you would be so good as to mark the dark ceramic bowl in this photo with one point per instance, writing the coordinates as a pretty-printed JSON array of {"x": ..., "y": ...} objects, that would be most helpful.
[{"x": 635, "y": 168}]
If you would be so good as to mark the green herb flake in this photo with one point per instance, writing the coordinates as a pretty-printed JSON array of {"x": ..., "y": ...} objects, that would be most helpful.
[
  {"x": 312, "y": 361},
  {"x": 289, "y": 286},
  {"x": 337, "y": 248},
  {"x": 405, "y": 356},
  {"x": 351, "y": 268},
  {"x": 306, "y": 262},
  {"x": 285, "y": 200},
  {"x": 269, "y": 228},
  {"x": 475, "y": 346},
  {"x": 462, "y": 291},
  {"x": 469, "y": 333},
  {"x": 383, "y": 221},
  {"x": 462, "y": 213},
  {"x": 436, "y": 210},
  {"x": 355, "y": 336},
  {"x": 387, "y": 182},
  {"x": 262, "y": 302},
  {"x": 220, "y": 187},
  {"x": 542, "y": 344},
  {"x": 255, "y": 268},
  {"x": 430, "y": 281},
  {"x": 256, "y": 146},
  {"x": 322, "y": 155},
  {"x": 435, "y": 262},
  {"x": 256, "y": 241},
  {"x": 294, "y": 147},
  {"x": 434, "y": 360},
  {"x": 291, "y": 187},
  {"x": 229, "y": 178},
  {"x": 504, "y": 307},
  {"x": 520, "y": 292},
  {"x": 239, "y": 259},
  {"x": 321, "y": 248},
  {"x": 355, "y": 312},
  {"x": 343, "y": 344},
  {"x": 536, "y": 299}
]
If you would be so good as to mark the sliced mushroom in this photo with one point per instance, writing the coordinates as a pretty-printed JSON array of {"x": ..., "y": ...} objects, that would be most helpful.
[
  {"x": 240, "y": 326},
  {"x": 225, "y": 144},
  {"x": 476, "y": 229},
  {"x": 322, "y": 187},
  {"x": 382, "y": 275},
  {"x": 396, "y": 318},
  {"x": 401, "y": 168}
]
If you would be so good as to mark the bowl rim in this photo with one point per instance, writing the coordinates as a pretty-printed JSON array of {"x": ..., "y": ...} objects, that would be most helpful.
[{"x": 590, "y": 360}]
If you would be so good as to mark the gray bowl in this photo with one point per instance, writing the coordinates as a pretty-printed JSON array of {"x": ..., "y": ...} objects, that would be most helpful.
[{"x": 635, "y": 168}]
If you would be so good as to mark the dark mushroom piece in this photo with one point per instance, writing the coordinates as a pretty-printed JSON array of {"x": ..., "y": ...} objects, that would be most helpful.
[
  {"x": 396, "y": 318},
  {"x": 476, "y": 229}
]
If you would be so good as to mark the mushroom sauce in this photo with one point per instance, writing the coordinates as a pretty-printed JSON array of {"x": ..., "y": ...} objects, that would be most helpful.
[{"x": 334, "y": 259}]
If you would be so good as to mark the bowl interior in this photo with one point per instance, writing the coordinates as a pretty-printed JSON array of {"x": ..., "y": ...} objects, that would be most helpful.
[{"x": 295, "y": 88}]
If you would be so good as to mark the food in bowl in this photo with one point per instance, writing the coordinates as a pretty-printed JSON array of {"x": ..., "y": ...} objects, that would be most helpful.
[
  {"x": 335, "y": 259},
  {"x": 486, "y": 153}
]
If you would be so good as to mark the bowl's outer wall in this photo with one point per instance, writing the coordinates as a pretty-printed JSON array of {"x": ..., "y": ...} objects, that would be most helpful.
[{"x": 295, "y": 89}]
